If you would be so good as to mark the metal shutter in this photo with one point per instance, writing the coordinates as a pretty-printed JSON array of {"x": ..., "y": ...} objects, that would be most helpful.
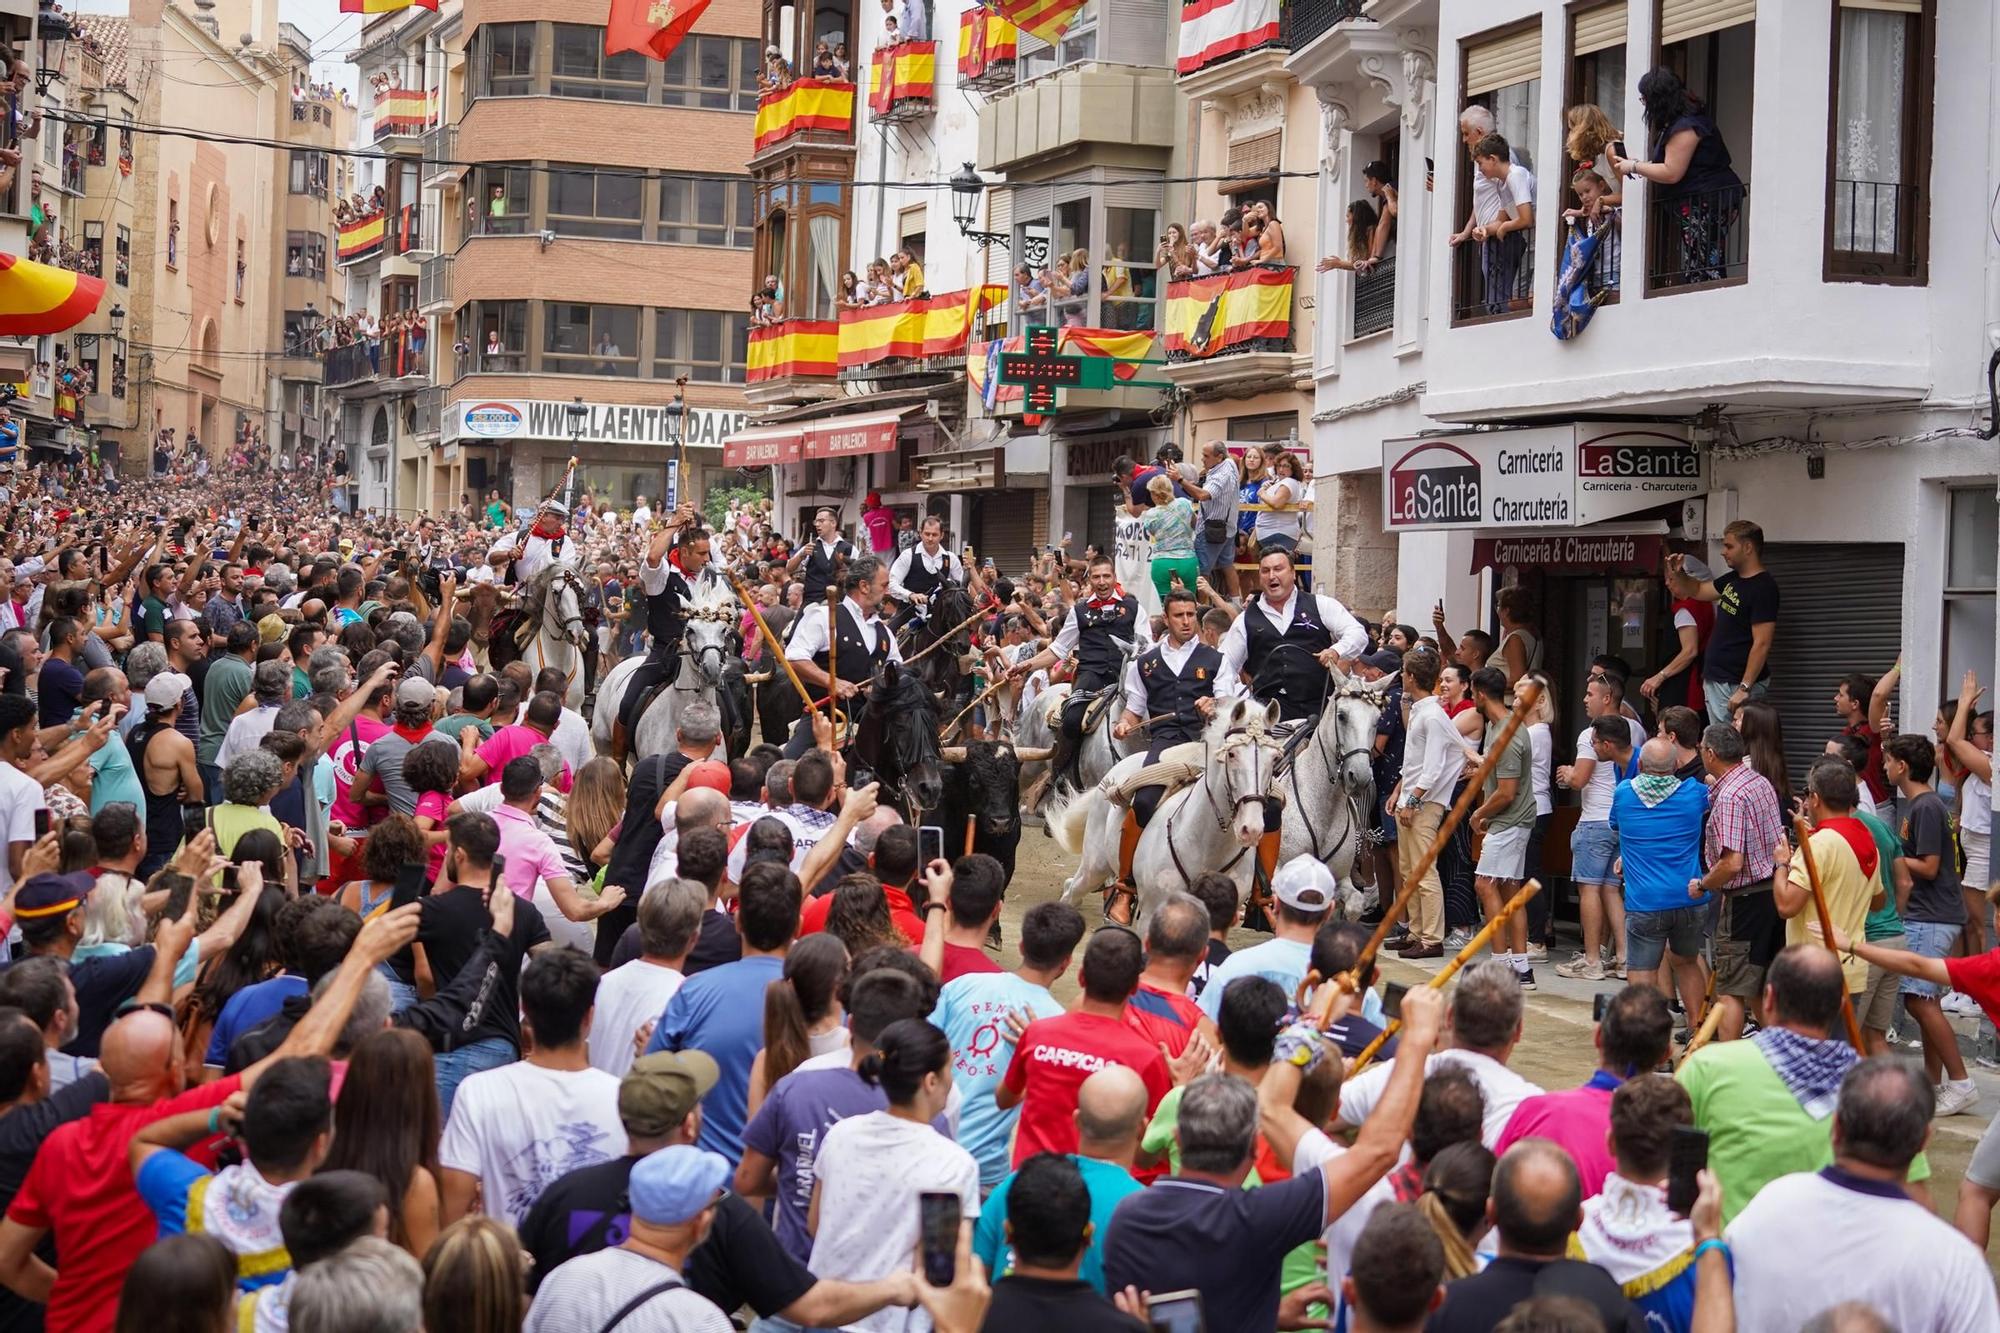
[
  {"x": 1503, "y": 61},
  {"x": 1682, "y": 19},
  {"x": 1887, "y": 6},
  {"x": 1599, "y": 29},
  {"x": 1840, "y": 609},
  {"x": 1007, "y": 529}
]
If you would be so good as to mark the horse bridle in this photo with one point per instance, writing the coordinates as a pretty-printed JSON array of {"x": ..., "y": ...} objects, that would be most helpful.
[
  {"x": 1334, "y": 770},
  {"x": 716, "y": 614},
  {"x": 1234, "y": 739}
]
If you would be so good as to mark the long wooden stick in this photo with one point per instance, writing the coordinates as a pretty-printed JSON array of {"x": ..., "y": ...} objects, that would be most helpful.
[
  {"x": 979, "y": 699},
  {"x": 833, "y": 658},
  {"x": 941, "y": 639},
  {"x": 1449, "y": 970},
  {"x": 1704, "y": 1034},
  {"x": 1411, "y": 881},
  {"x": 1803, "y": 832},
  {"x": 777, "y": 644}
]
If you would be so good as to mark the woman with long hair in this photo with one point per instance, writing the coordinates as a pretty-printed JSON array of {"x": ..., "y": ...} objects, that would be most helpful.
[
  {"x": 183, "y": 1283},
  {"x": 386, "y": 1124},
  {"x": 1542, "y": 744},
  {"x": 1698, "y": 193},
  {"x": 802, "y": 1013},
  {"x": 1587, "y": 139},
  {"x": 1281, "y": 522},
  {"x": 596, "y": 804},
  {"x": 1456, "y": 1186},
  {"x": 389, "y": 846},
  {"x": 859, "y": 915},
  {"x": 1455, "y": 862},
  {"x": 1175, "y": 257},
  {"x": 1764, "y": 742},
  {"x": 254, "y": 957},
  {"x": 1362, "y": 219},
  {"x": 474, "y": 1279},
  {"x": 850, "y": 296}
]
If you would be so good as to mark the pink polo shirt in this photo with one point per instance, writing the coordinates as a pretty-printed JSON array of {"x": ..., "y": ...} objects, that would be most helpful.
[
  {"x": 1578, "y": 1120},
  {"x": 531, "y": 854},
  {"x": 505, "y": 745}
]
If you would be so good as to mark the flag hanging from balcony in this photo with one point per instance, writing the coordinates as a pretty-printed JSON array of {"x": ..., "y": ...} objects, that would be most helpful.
[
  {"x": 985, "y": 40},
  {"x": 904, "y": 72},
  {"x": 359, "y": 238},
  {"x": 384, "y": 6},
  {"x": 936, "y": 326},
  {"x": 1210, "y": 315},
  {"x": 41, "y": 298},
  {"x": 802, "y": 104},
  {"x": 652, "y": 26},
  {"x": 1046, "y": 19},
  {"x": 1213, "y": 30},
  {"x": 793, "y": 347}
]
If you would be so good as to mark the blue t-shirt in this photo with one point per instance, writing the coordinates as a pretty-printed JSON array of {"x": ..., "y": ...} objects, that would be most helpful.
[
  {"x": 720, "y": 1012},
  {"x": 1283, "y": 961},
  {"x": 1105, "y": 1182},
  {"x": 113, "y": 779},
  {"x": 235, "y": 1205},
  {"x": 972, "y": 1013},
  {"x": 1660, "y": 846},
  {"x": 788, "y": 1128},
  {"x": 246, "y": 1009}
]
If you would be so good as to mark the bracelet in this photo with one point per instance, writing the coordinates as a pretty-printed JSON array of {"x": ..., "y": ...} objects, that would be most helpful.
[
  {"x": 215, "y": 1119},
  {"x": 936, "y": 907},
  {"x": 1713, "y": 1244}
]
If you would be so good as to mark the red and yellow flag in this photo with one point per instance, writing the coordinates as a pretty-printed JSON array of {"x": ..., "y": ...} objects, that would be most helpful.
[
  {"x": 358, "y": 238},
  {"x": 904, "y": 72},
  {"x": 938, "y": 326},
  {"x": 793, "y": 347},
  {"x": 402, "y": 111},
  {"x": 984, "y": 40},
  {"x": 41, "y": 298},
  {"x": 803, "y": 104},
  {"x": 1046, "y": 19},
  {"x": 1210, "y": 315},
  {"x": 652, "y": 26},
  {"x": 384, "y": 6}
]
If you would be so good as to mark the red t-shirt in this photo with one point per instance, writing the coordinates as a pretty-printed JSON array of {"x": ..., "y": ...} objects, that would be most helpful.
[
  {"x": 1979, "y": 977},
  {"x": 1872, "y": 774},
  {"x": 80, "y": 1189},
  {"x": 1162, "y": 1016},
  {"x": 1703, "y": 615},
  {"x": 960, "y": 959},
  {"x": 1051, "y": 1061},
  {"x": 812, "y": 917}
]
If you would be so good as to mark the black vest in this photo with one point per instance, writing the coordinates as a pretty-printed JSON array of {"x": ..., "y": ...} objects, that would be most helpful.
[
  {"x": 1293, "y": 677},
  {"x": 820, "y": 570},
  {"x": 857, "y": 663},
  {"x": 1097, "y": 657},
  {"x": 1170, "y": 692},
  {"x": 921, "y": 580}
]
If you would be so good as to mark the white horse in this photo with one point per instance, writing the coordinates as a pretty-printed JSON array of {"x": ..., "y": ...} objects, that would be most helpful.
[
  {"x": 710, "y": 643},
  {"x": 1212, "y": 824},
  {"x": 555, "y": 598},
  {"x": 1330, "y": 781},
  {"x": 1098, "y": 752}
]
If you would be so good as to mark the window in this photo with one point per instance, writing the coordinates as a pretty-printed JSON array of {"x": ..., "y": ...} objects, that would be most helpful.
[
  {"x": 499, "y": 332},
  {"x": 1495, "y": 278},
  {"x": 504, "y": 60},
  {"x": 242, "y": 268},
  {"x": 590, "y": 339},
  {"x": 714, "y": 73},
  {"x": 118, "y": 369},
  {"x": 1268, "y": 428},
  {"x": 1879, "y": 141},
  {"x": 308, "y": 173},
  {"x": 173, "y": 232},
  {"x": 581, "y": 69},
  {"x": 1701, "y": 237},
  {"x": 1969, "y": 584},
  {"x": 1597, "y": 78},
  {"x": 1131, "y": 283},
  {"x": 93, "y": 249},
  {"x": 123, "y": 257},
  {"x": 299, "y": 332},
  {"x": 1079, "y": 42},
  {"x": 705, "y": 345},
  {"x": 707, "y": 212},
  {"x": 305, "y": 254},
  {"x": 596, "y": 203},
  {"x": 499, "y": 200}
]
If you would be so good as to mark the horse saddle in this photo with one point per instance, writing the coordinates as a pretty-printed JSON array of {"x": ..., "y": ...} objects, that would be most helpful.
[
  {"x": 1095, "y": 710},
  {"x": 1177, "y": 766}
]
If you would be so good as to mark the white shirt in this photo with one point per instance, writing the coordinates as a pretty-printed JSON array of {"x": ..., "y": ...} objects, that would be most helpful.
[
  {"x": 1281, "y": 523},
  {"x": 944, "y": 564},
  {"x": 245, "y": 732},
  {"x": 1604, "y": 778},
  {"x": 1067, "y": 633},
  {"x": 1807, "y": 1242},
  {"x": 583, "y": 1293},
  {"x": 642, "y": 516},
  {"x": 1175, "y": 656},
  {"x": 1432, "y": 756},
  {"x": 532, "y": 554},
  {"x": 628, "y": 998},
  {"x": 1314, "y": 1150},
  {"x": 521, "y": 1127},
  {"x": 812, "y": 635},
  {"x": 572, "y": 740},
  {"x": 1491, "y": 198},
  {"x": 1502, "y": 1087},
  {"x": 1350, "y": 636},
  {"x": 20, "y": 797}
]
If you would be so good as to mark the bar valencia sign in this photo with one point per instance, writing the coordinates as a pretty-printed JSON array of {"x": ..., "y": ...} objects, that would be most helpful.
[{"x": 1538, "y": 477}]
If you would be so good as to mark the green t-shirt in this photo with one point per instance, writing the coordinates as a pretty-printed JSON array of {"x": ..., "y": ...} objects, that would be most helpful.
[
  {"x": 1517, "y": 762},
  {"x": 1757, "y": 1131},
  {"x": 1886, "y": 922},
  {"x": 496, "y": 514},
  {"x": 152, "y": 617},
  {"x": 222, "y": 692},
  {"x": 230, "y": 822},
  {"x": 449, "y": 727}
]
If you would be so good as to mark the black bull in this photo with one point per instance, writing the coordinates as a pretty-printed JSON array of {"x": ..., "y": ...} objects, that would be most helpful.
[{"x": 984, "y": 786}]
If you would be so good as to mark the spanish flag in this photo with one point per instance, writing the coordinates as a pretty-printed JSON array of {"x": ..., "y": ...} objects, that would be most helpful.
[
  {"x": 803, "y": 104},
  {"x": 984, "y": 40},
  {"x": 1129, "y": 350},
  {"x": 1213, "y": 314},
  {"x": 1046, "y": 19},
  {"x": 401, "y": 111},
  {"x": 938, "y": 326},
  {"x": 41, "y": 298},
  {"x": 359, "y": 238},
  {"x": 385, "y": 6},
  {"x": 904, "y": 72},
  {"x": 793, "y": 347},
  {"x": 652, "y": 26}
]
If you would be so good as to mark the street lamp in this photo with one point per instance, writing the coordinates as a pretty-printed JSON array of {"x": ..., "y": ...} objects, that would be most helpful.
[
  {"x": 87, "y": 341},
  {"x": 52, "y": 34},
  {"x": 966, "y": 187},
  {"x": 675, "y": 421},
  {"x": 579, "y": 418}
]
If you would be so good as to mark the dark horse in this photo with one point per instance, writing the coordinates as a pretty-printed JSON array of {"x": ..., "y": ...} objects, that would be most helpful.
[
  {"x": 950, "y": 607},
  {"x": 896, "y": 743}
]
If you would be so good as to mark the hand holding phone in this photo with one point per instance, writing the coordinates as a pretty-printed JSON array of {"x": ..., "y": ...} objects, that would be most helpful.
[
  {"x": 1392, "y": 999},
  {"x": 1176, "y": 1312},
  {"x": 410, "y": 884},
  {"x": 1687, "y": 1155},
  {"x": 937, "y": 1220},
  {"x": 930, "y": 844}
]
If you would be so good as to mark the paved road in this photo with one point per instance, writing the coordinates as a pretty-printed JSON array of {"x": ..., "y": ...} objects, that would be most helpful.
[{"x": 1556, "y": 1050}]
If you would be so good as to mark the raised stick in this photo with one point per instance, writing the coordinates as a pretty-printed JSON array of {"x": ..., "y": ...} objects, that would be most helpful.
[
  {"x": 777, "y": 645},
  {"x": 1803, "y": 832},
  {"x": 1464, "y": 956},
  {"x": 964, "y": 712},
  {"x": 942, "y": 638},
  {"x": 833, "y": 658}
]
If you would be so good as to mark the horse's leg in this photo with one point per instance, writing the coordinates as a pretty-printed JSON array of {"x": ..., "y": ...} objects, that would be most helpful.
[{"x": 1094, "y": 867}]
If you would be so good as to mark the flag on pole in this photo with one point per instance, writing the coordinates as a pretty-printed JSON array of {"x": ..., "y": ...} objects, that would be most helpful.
[
  {"x": 41, "y": 298},
  {"x": 654, "y": 27},
  {"x": 1046, "y": 19},
  {"x": 385, "y": 6}
]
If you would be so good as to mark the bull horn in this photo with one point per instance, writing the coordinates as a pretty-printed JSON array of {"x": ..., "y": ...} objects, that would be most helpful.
[
  {"x": 952, "y": 754},
  {"x": 756, "y": 677},
  {"x": 1033, "y": 754}
]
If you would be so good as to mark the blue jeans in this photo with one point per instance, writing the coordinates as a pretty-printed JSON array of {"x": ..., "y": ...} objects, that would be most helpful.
[
  {"x": 1715, "y": 693},
  {"x": 1928, "y": 939},
  {"x": 454, "y": 1067},
  {"x": 1649, "y": 935}
]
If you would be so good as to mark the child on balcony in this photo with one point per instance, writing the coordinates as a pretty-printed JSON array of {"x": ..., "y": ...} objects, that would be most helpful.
[{"x": 1503, "y": 210}]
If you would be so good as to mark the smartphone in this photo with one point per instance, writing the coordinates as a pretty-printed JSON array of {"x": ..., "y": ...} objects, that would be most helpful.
[
  {"x": 1687, "y": 1154},
  {"x": 41, "y": 823},
  {"x": 1617, "y": 148},
  {"x": 410, "y": 884},
  {"x": 1392, "y": 999},
  {"x": 930, "y": 844},
  {"x": 499, "y": 867},
  {"x": 1176, "y": 1312},
  {"x": 194, "y": 818},
  {"x": 1601, "y": 1005},
  {"x": 937, "y": 1221},
  {"x": 229, "y": 882}
]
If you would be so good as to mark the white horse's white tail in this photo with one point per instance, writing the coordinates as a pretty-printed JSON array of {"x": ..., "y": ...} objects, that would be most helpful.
[{"x": 1069, "y": 816}]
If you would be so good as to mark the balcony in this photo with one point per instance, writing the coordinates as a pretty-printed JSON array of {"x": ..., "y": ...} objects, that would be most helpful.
[
  {"x": 1696, "y": 240},
  {"x": 1236, "y": 46},
  {"x": 440, "y": 152},
  {"x": 390, "y": 359},
  {"x": 434, "y": 285},
  {"x": 1308, "y": 20},
  {"x": 346, "y": 365},
  {"x": 360, "y": 239},
  {"x": 915, "y": 337},
  {"x": 1493, "y": 279},
  {"x": 792, "y": 361},
  {"x": 805, "y": 112},
  {"x": 1230, "y": 327},
  {"x": 1375, "y": 299},
  {"x": 1132, "y": 106},
  {"x": 402, "y": 116},
  {"x": 988, "y": 47},
  {"x": 902, "y": 82}
]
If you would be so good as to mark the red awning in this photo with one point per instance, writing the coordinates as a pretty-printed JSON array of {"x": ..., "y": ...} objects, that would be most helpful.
[
  {"x": 862, "y": 433},
  {"x": 1581, "y": 552},
  {"x": 763, "y": 445}
]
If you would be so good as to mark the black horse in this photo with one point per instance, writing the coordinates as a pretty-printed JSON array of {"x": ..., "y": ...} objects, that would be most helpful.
[
  {"x": 949, "y": 608},
  {"x": 896, "y": 743}
]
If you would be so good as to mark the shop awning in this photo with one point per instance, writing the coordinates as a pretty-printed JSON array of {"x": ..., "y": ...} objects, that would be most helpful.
[
  {"x": 859, "y": 433},
  {"x": 1579, "y": 552},
  {"x": 763, "y": 445}
]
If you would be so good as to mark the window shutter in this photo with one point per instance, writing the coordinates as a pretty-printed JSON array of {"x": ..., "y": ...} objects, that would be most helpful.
[
  {"x": 1886, "y": 6},
  {"x": 1682, "y": 19},
  {"x": 1254, "y": 156},
  {"x": 1600, "y": 29},
  {"x": 1503, "y": 61}
]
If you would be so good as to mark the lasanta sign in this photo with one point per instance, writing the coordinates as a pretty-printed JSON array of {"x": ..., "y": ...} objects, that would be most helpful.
[{"x": 1538, "y": 477}]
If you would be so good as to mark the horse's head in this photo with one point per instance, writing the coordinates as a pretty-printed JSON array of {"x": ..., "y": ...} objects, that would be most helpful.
[
  {"x": 558, "y": 591},
  {"x": 899, "y": 737},
  {"x": 713, "y": 638},
  {"x": 1357, "y": 706},
  {"x": 950, "y": 607},
  {"x": 1241, "y": 750}
]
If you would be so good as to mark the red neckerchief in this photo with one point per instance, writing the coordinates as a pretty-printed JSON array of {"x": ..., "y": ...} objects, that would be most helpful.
[
  {"x": 1858, "y": 837},
  {"x": 546, "y": 529},
  {"x": 412, "y": 735},
  {"x": 674, "y": 559}
]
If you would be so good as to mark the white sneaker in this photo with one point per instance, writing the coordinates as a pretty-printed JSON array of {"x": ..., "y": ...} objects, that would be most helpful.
[
  {"x": 1578, "y": 969},
  {"x": 1618, "y": 969},
  {"x": 1956, "y": 1099},
  {"x": 1457, "y": 939},
  {"x": 1957, "y": 1002},
  {"x": 1538, "y": 953}
]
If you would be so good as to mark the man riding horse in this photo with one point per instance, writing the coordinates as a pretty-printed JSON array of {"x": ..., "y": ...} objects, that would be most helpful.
[
  {"x": 836, "y": 650},
  {"x": 668, "y": 582},
  {"x": 920, "y": 571},
  {"x": 1091, "y": 631}
]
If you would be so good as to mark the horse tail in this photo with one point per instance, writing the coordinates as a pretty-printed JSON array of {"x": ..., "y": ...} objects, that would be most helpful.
[{"x": 1069, "y": 817}]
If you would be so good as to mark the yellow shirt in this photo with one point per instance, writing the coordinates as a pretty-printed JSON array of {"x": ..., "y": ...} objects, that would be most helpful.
[
  {"x": 1848, "y": 893},
  {"x": 913, "y": 279}
]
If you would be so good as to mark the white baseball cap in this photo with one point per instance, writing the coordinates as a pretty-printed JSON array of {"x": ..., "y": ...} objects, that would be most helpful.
[
  {"x": 1305, "y": 883},
  {"x": 165, "y": 690}
]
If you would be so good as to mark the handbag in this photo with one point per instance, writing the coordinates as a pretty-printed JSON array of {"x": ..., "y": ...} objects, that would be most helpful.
[{"x": 1215, "y": 531}]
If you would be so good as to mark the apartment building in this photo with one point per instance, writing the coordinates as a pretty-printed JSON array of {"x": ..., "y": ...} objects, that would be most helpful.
[{"x": 1803, "y": 341}]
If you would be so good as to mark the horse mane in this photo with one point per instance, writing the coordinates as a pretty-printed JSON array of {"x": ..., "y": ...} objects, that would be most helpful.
[{"x": 710, "y": 595}]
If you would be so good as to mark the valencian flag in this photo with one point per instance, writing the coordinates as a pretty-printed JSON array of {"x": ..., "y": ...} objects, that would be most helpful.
[
  {"x": 1214, "y": 29},
  {"x": 802, "y": 104},
  {"x": 385, "y": 6},
  {"x": 934, "y": 326},
  {"x": 794, "y": 347},
  {"x": 41, "y": 298},
  {"x": 1208, "y": 315},
  {"x": 652, "y": 26},
  {"x": 1046, "y": 19}
]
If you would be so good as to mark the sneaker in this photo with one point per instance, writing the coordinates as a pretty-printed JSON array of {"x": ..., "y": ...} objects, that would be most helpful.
[
  {"x": 1987, "y": 1060},
  {"x": 1578, "y": 969},
  {"x": 1457, "y": 939},
  {"x": 1526, "y": 976},
  {"x": 1618, "y": 969},
  {"x": 1956, "y": 1099},
  {"x": 1538, "y": 953},
  {"x": 1958, "y": 1002}
]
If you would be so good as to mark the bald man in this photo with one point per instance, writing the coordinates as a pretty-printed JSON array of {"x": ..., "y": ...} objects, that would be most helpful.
[
  {"x": 1110, "y": 1116},
  {"x": 1658, "y": 819}
]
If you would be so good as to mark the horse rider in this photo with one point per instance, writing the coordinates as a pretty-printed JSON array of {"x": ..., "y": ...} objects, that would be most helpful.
[
  {"x": 1090, "y": 630},
  {"x": 863, "y": 638},
  {"x": 920, "y": 571},
  {"x": 1170, "y": 692},
  {"x": 527, "y": 553},
  {"x": 668, "y": 583},
  {"x": 822, "y": 557},
  {"x": 1294, "y": 639}
]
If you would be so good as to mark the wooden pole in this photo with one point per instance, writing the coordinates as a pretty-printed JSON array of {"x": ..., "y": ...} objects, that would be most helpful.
[
  {"x": 777, "y": 645},
  {"x": 1803, "y": 832},
  {"x": 942, "y": 638},
  {"x": 1449, "y": 970},
  {"x": 833, "y": 658},
  {"x": 1451, "y": 821},
  {"x": 1704, "y": 1034}
]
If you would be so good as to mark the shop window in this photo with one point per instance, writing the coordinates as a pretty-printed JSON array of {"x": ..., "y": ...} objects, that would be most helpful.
[
  {"x": 580, "y": 339},
  {"x": 503, "y": 62},
  {"x": 582, "y": 69},
  {"x": 1495, "y": 279},
  {"x": 596, "y": 203},
  {"x": 1879, "y": 141},
  {"x": 712, "y": 73},
  {"x": 1969, "y": 587},
  {"x": 707, "y": 212},
  {"x": 704, "y": 345}
]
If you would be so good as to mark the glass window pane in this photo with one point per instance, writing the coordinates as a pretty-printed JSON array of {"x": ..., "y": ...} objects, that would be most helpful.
[
  {"x": 569, "y": 193},
  {"x": 618, "y": 196},
  {"x": 705, "y": 336},
  {"x": 673, "y": 200},
  {"x": 577, "y": 49},
  {"x": 669, "y": 335},
  {"x": 709, "y": 199},
  {"x": 625, "y": 67},
  {"x": 1869, "y": 143},
  {"x": 712, "y": 56},
  {"x": 1975, "y": 529},
  {"x": 745, "y": 205}
]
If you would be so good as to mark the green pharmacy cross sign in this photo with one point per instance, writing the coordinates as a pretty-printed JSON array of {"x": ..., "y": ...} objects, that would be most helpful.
[{"x": 1043, "y": 371}]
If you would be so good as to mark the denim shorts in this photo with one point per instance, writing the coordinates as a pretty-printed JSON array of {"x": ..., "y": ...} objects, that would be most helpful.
[
  {"x": 1648, "y": 935},
  {"x": 1928, "y": 939},
  {"x": 1592, "y": 849}
]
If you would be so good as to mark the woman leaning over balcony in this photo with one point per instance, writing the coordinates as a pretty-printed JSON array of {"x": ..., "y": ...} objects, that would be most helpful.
[
  {"x": 1362, "y": 221},
  {"x": 1691, "y": 164}
]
